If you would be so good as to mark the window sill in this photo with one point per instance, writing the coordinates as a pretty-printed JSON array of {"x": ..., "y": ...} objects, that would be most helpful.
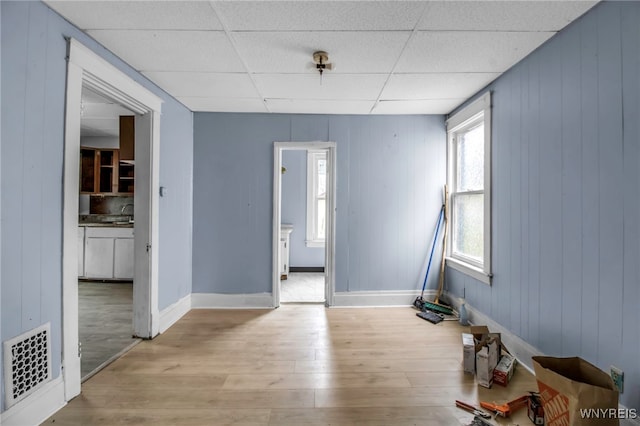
[
  {"x": 472, "y": 271},
  {"x": 314, "y": 244}
]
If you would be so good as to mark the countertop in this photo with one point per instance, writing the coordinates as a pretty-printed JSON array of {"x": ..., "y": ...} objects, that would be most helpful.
[
  {"x": 106, "y": 220},
  {"x": 106, "y": 224}
]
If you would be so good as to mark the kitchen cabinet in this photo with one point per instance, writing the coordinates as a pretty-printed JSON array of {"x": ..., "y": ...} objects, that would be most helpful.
[
  {"x": 103, "y": 172},
  {"x": 98, "y": 256},
  {"x": 123, "y": 259},
  {"x": 109, "y": 253},
  {"x": 81, "y": 251},
  {"x": 127, "y": 137},
  {"x": 285, "y": 232}
]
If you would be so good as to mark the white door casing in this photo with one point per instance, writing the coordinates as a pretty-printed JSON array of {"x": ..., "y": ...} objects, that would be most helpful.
[
  {"x": 330, "y": 241},
  {"x": 85, "y": 68}
]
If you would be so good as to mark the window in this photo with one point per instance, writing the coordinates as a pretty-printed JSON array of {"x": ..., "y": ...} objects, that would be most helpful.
[
  {"x": 469, "y": 184},
  {"x": 316, "y": 197}
]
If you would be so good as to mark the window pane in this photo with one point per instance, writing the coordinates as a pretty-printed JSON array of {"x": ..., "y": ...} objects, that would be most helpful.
[
  {"x": 322, "y": 178},
  {"x": 471, "y": 159},
  {"x": 320, "y": 224},
  {"x": 468, "y": 214}
]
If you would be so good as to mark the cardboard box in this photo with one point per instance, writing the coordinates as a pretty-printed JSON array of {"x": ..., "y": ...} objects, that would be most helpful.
[
  {"x": 486, "y": 361},
  {"x": 504, "y": 370},
  {"x": 568, "y": 386},
  {"x": 468, "y": 353},
  {"x": 473, "y": 342},
  {"x": 478, "y": 331}
]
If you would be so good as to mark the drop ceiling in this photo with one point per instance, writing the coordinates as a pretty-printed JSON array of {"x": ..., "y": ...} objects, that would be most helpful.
[
  {"x": 100, "y": 117},
  {"x": 390, "y": 57}
]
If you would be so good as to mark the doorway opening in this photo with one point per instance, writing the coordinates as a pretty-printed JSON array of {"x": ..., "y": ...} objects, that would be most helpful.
[
  {"x": 304, "y": 222},
  {"x": 303, "y": 229},
  {"x": 87, "y": 72},
  {"x": 106, "y": 260}
]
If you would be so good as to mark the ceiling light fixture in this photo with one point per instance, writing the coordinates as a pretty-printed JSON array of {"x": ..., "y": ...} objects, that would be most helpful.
[{"x": 321, "y": 60}]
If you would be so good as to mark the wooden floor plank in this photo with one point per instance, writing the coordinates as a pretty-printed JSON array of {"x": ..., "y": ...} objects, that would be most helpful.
[
  {"x": 376, "y": 416},
  {"x": 299, "y": 364},
  {"x": 315, "y": 381}
]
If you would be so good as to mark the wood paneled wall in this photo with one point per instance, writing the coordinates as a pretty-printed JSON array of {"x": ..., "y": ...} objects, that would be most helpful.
[
  {"x": 390, "y": 173},
  {"x": 566, "y": 191},
  {"x": 33, "y": 109}
]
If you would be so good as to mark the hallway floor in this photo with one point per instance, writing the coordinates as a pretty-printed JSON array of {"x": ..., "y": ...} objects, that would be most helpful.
[
  {"x": 302, "y": 287},
  {"x": 105, "y": 323}
]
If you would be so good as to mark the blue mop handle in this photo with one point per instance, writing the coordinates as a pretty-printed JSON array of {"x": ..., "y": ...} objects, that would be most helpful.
[{"x": 433, "y": 247}]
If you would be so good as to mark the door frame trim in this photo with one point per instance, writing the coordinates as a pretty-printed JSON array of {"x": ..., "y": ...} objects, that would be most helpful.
[
  {"x": 86, "y": 68},
  {"x": 330, "y": 242}
]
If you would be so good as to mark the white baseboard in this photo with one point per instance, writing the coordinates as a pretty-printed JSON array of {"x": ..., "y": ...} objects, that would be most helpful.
[
  {"x": 172, "y": 313},
  {"x": 522, "y": 350},
  {"x": 231, "y": 301},
  {"x": 37, "y": 407},
  {"x": 379, "y": 298}
]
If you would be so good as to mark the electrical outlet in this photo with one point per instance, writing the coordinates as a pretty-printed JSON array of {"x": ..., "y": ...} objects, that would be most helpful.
[{"x": 617, "y": 376}]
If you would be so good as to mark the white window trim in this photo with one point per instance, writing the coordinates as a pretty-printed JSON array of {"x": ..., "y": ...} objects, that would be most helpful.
[
  {"x": 311, "y": 240},
  {"x": 461, "y": 119}
]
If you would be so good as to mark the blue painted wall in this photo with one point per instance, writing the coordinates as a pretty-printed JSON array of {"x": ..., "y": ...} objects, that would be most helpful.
[
  {"x": 566, "y": 191},
  {"x": 1, "y": 118},
  {"x": 176, "y": 214},
  {"x": 33, "y": 84},
  {"x": 390, "y": 172},
  {"x": 294, "y": 209}
]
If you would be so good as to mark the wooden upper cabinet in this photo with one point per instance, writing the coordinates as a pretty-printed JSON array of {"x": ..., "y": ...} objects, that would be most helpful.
[
  {"x": 101, "y": 172},
  {"x": 127, "y": 137},
  {"x": 88, "y": 176}
]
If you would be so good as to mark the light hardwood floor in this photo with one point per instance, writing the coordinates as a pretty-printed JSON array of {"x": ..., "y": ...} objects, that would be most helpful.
[{"x": 296, "y": 365}]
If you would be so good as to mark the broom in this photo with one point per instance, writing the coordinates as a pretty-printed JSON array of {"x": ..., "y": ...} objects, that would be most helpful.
[
  {"x": 436, "y": 306},
  {"x": 419, "y": 302}
]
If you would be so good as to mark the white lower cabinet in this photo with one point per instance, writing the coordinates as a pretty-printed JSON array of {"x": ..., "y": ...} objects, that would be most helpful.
[
  {"x": 81, "y": 251},
  {"x": 99, "y": 257},
  {"x": 108, "y": 253},
  {"x": 123, "y": 259},
  {"x": 285, "y": 232}
]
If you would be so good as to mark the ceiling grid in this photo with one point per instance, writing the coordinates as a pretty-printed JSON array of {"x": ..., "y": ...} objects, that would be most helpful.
[{"x": 389, "y": 57}]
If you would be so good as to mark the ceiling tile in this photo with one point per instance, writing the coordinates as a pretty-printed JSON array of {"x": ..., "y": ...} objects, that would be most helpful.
[
  {"x": 102, "y": 110},
  {"x": 172, "y": 50},
  {"x": 198, "y": 84},
  {"x": 435, "y": 85},
  {"x": 319, "y": 15},
  {"x": 309, "y": 86},
  {"x": 139, "y": 15},
  {"x": 350, "y": 52},
  {"x": 100, "y": 126},
  {"x": 431, "y": 106},
  {"x": 223, "y": 104},
  {"x": 467, "y": 51},
  {"x": 502, "y": 15},
  {"x": 306, "y": 106}
]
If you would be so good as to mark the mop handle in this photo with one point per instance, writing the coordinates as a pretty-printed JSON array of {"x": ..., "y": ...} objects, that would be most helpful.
[{"x": 433, "y": 247}]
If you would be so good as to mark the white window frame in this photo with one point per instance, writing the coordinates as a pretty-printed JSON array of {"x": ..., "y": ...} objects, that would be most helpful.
[
  {"x": 312, "y": 240},
  {"x": 465, "y": 119}
]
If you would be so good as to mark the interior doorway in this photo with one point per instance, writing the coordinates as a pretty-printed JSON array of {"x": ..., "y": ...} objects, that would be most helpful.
[
  {"x": 304, "y": 222},
  {"x": 86, "y": 70},
  {"x": 106, "y": 260},
  {"x": 303, "y": 229}
]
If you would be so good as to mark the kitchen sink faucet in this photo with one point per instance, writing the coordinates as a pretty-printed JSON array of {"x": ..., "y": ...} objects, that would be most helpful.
[{"x": 125, "y": 207}]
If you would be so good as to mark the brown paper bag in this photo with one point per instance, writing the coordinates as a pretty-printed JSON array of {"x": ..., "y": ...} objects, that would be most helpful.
[{"x": 575, "y": 393}]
